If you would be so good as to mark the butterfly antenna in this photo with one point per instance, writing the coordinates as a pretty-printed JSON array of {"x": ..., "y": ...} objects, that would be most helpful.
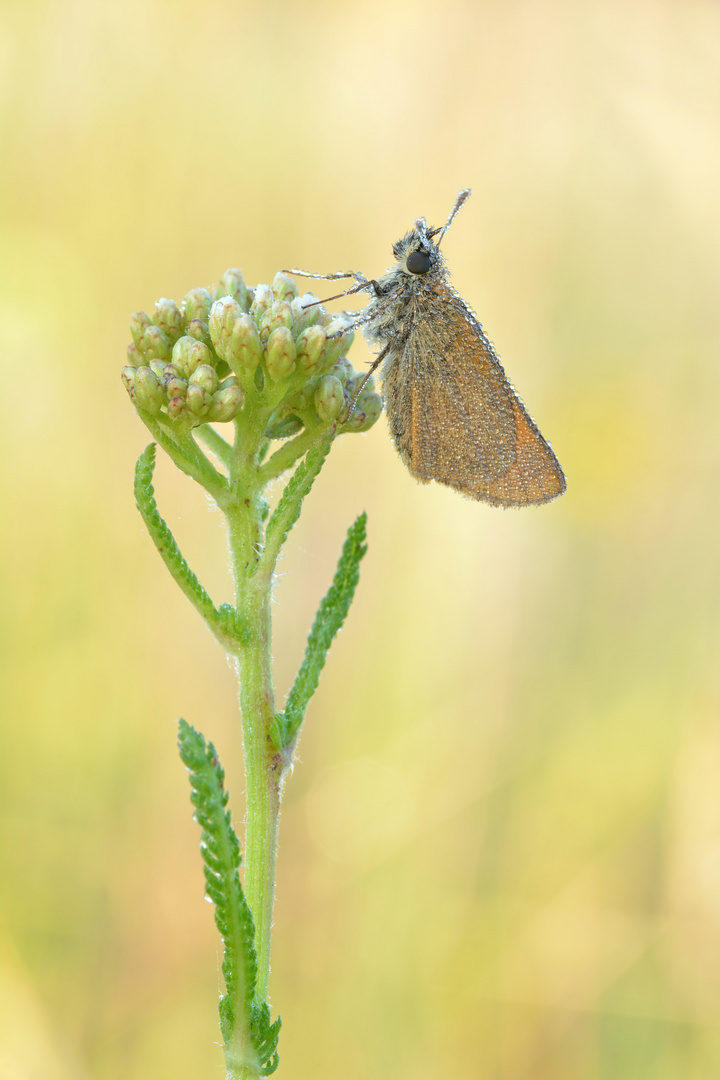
[{"x": 464, "y": 194}]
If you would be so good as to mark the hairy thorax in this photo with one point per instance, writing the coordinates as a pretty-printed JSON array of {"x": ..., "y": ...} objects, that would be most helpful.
[{"x": 390, "y": 315}]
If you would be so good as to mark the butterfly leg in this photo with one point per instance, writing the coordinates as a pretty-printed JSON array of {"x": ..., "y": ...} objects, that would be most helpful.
[
  {"x": 394, "y": 343},
  {"x": 327, "y": 277},
  {"x": 360, "y": 318},
  {"x": 373, "y": 367}
]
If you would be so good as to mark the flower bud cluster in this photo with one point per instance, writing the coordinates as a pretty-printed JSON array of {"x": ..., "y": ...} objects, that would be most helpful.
[{"x": 200, "y": 360}]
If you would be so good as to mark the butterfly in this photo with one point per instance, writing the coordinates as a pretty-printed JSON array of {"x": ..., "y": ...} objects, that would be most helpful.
[{"x": 454, "y": 416}]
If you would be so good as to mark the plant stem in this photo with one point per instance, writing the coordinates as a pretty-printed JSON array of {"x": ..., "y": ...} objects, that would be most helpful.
[
  {"x": 263, "y": 770},
  {"x": 264, "y": 767},
  {"x": 288, "y": 454}
]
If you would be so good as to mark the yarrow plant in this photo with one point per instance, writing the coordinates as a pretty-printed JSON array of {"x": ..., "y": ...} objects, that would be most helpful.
[{"x": 270, "y": 367}]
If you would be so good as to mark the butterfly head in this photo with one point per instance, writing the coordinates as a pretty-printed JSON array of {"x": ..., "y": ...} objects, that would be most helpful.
[{"x": 416, "y": 253}]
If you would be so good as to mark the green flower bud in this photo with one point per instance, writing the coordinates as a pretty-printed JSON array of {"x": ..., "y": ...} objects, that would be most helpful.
[
  {"x": 283, "y": 286},
  {"x": 338, "y": 342},
  {"x": 149, "y": 393},
  {"x": 188, "y": 353},
  {"x": 168, "y": 317},
  {"x": 303, "y": 400},
  {"x": 134, "y": 358},
  {"x": 175, "y": 386},
  {"x": 233, "y": 284},
  {"x": 232, "y": 380},
  {"x": 199, "y": 399},
  {"x": 371, "y": 407},
  {"x": 128, "y": 377},
  {"x": 206, "y": 377},
  {"x": 329, "y": 398},
  {"x": 278, "y": 314},
  {"x": 368, "y": 384},
  {"x": 139, "y": 323},
  {"x": 245, "y": 346},
  {"x": 366, "y": 409},
  {"x": 310, "y": 344},
  {"x": 280, "y": 361},
  {"x": 199, "y": 330},
  {"x": 342, "y": 369},
  {"x": 262, "y": 300},
  {"x": 159, "y": 367},
  {"x": 177, "y": 408},
  {"x": 335, "y": 324},
  {"x": 223, "y": 314},
  {"x": 303, "y": 313},
  {"x": 226, "y": 403},
  {"x": 197, "y": 304},
  {"x": 155, "y": 345}
]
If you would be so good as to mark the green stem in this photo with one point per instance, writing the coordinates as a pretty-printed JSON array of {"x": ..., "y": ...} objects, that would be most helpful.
[
  {"x": 254, "y": 553},
  {"x": 264, "y": 767},
  {"x": 187, "y": 455},
  {"x": 289, "y": 453},
  {"x": 215, "y": 443}
]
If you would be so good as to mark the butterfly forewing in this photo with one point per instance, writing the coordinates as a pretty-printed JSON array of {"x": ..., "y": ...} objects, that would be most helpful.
[
  {"x": 467, "y": 428},
  {"x": 442, "y": 416}
]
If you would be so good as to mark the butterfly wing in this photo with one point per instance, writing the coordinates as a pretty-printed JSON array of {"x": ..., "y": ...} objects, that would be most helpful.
[{"x": 456, "y": 419}]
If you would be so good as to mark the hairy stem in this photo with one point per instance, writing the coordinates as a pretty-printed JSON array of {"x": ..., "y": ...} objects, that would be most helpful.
[
  {"x": 187, "y": 455},
  {"x": 289, "y": 453},
  {"x": 215, "y": 443},
  {"x": 257, "y": 706},
  {"x": 264, "y": 767}
]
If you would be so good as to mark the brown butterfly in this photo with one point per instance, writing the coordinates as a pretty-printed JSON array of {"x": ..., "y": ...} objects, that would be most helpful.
[{"x": 454, "y": 416}]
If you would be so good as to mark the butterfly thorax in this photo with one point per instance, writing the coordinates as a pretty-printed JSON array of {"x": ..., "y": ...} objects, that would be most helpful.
[{"x": 401, "y": 293}]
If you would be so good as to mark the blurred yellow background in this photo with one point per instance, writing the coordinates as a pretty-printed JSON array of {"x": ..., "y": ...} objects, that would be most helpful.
[{"x": 500, "y": 848}]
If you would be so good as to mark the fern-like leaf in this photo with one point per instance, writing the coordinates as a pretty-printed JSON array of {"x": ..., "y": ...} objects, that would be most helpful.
[
  {"x": 240, "y": 1012},
  {"x": 225, "y": 623},
  {"x": 288, "y": 508},
  {"x": 328, "y": 621}
]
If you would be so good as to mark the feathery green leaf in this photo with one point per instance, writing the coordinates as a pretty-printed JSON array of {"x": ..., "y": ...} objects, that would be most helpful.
[
  {"x": 240, "y": 1012},
  {"x": 225, "y": 623},
  {"x": 288, "y": 509},
  {"x": 329, "y": 619}
]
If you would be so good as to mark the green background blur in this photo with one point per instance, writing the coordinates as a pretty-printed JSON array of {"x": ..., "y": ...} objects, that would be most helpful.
[{"x": 500, "y": 848}]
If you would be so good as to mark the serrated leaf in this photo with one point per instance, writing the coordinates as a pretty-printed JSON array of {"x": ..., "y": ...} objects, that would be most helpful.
[
  {"x": 288, "y": 508},
  {"x": 220, "y": 849},
  {"x": 328, "y": 621},
  {"x": 225, "y": 623}
]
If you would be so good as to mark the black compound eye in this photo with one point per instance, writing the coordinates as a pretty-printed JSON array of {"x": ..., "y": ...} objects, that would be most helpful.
[{"x": 418, "y": 262}]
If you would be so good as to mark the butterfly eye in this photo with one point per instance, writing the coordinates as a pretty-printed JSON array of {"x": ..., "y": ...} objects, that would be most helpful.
[{"x": 418, "y": 262}]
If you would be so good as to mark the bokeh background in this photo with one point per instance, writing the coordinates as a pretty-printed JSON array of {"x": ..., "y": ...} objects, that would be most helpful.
[{"x": 500, "y": 849}]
